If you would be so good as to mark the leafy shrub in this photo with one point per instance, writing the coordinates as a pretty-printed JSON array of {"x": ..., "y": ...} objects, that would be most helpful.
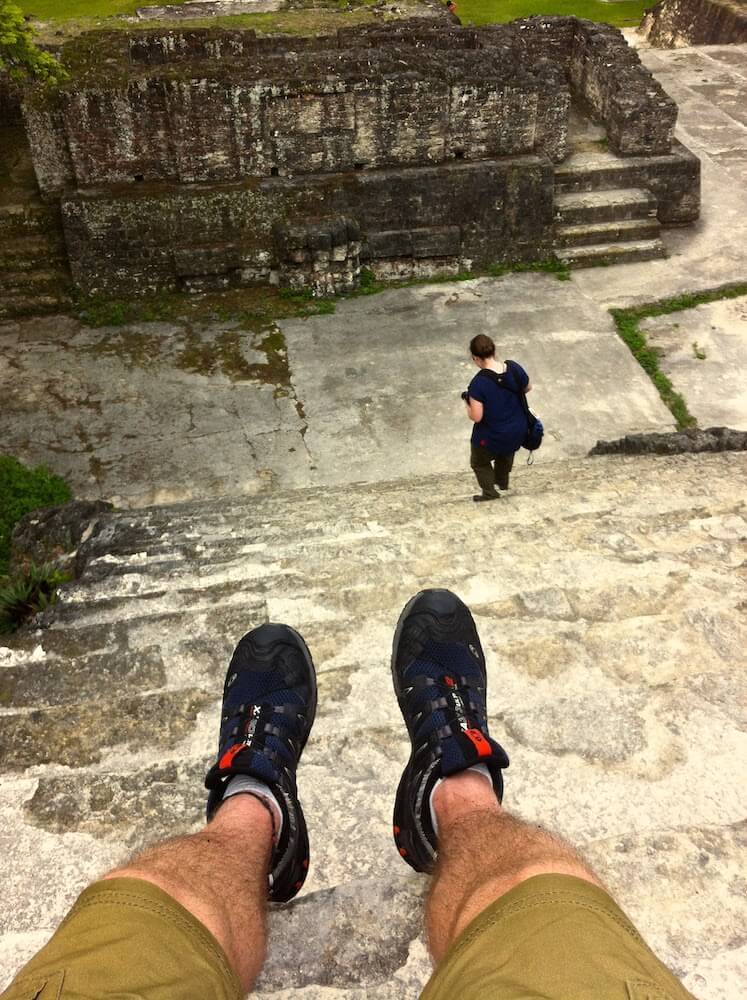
[
  {"x": 19, "y": 56},
  {"x": 23, "y": 490},
  {"x": 22, "y": 596}
]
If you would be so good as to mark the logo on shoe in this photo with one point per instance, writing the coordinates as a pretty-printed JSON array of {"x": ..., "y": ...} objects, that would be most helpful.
[
  {"x": 455, "y": 699},
  {"x": 251, "y": 723}
]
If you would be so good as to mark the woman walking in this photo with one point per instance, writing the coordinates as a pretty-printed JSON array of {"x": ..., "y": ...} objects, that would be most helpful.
[{"x": 494, "y": 404}]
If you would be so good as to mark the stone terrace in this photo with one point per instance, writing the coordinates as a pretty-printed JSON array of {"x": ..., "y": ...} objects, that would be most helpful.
[{"x": 220, "y": 144}]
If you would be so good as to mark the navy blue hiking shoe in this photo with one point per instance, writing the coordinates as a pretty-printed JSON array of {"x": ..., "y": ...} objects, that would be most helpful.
[
  {"x": 269, "y": 703},
  {"x": 439, "y": 676}
]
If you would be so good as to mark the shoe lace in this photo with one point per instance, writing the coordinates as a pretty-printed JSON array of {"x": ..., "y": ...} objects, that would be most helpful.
[
  {"x": 442, "y": 706},
  {"x": 270, "y": 729}
]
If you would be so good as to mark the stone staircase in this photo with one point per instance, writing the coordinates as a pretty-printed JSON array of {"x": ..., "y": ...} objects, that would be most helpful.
[
  {"x": 34, "y": 277},
  {"x": 607, "y": 592},
  {"x": 602, "y": 216}
]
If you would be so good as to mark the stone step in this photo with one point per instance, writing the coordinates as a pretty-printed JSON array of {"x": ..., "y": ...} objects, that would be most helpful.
[
  {"x": 604, "y": 206},
  {"x": 30, "y": 283},
  {"x": 29, "y": 216},
  {"x": 38, "y": 304},
  {"x": 607, "y": 232},
  {"x": 43, "y": 682},
  {"x": 612, "y": 253},
  {"x": 24, "y": 253},
  {"x": 259, "y": 529},
  {"x": 350, "y": 514},
  {"x": 592, "y": 171},
  {"x": 77, "y": 734}
]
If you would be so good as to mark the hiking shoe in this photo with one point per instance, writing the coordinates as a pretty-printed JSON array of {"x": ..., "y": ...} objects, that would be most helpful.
[
  {"x": 439, "y": 676},
  {"x": 269, "y": 703},
  {"x": 481, "y": 497}
]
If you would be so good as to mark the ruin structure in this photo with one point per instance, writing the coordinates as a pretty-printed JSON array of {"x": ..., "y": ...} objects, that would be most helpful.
[
  {"x": 207, "y": 159},
  {"x": 673, "y": 23}
]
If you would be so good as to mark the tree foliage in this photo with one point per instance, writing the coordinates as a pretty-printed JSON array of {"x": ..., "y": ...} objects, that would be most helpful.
[{"x": 19, "y": 55}]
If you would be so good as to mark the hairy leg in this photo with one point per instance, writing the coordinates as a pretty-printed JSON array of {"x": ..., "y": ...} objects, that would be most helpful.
[
  {"x": 484, "y": 852},
  {"x": 220, "y": 876}
]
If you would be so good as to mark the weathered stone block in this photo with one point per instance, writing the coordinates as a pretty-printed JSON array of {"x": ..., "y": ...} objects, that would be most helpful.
[
  {"x": 672, "y": 23},
  {"x": 437, "y": 242}
]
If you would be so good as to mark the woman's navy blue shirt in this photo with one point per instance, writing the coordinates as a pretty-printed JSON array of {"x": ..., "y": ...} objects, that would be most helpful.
[{"x": 504, "y": 425}]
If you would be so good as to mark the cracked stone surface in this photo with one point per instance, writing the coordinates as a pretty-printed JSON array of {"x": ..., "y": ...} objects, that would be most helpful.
[{"x": 614, "y": 627}]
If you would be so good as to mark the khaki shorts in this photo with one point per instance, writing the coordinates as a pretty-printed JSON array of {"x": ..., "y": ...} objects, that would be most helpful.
[{"x": 553, "y": 937}]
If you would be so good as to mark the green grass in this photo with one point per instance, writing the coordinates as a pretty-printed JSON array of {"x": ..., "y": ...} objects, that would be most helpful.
[
  {"x": 624, "y": 13},
  {"x": 69, "y": 10},
  {"x": 321, "y": 16},
  {"x": 628, "y": 321},
  {"x": 25, "y": 595},
  {"x": 21, "y": 491},
  {"x": 67, "y": 19}
]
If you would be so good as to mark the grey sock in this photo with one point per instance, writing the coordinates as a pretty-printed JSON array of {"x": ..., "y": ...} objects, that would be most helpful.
[
  {"x": 478, "y": 769},
  {"x": 245, "y": 784}
]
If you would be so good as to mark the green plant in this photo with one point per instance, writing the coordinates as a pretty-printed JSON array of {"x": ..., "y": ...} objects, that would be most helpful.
[
  {"x": 618, "y": 12},
  {"x": 23, "y": 490},
  {"x": 627, "y": 322},
  {"x": 19, "y": 55},
  {"x": 648, "y": 358},
  {"x": 24, "y": 595},
  {"x": 549, "y": 265},
  {"x": 698, "y": 352}
]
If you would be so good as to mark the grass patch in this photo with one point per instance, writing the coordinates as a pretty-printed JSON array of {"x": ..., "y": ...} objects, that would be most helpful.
[
  {"x": 628, "y": 321},
  {"x": 21, "y": 491},
  {"x": 25, "y": 595},
  {"x": 58, "y": 24},
  {"x": 551, "y": 265},
  {"x": 623, "y": 14},
  {"x": 70, "y": 10}
]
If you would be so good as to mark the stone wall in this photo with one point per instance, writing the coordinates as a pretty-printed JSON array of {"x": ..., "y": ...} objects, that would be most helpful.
[
  {"x": 206, "y": 159},
  {"x": 203, "y": 105},
  {"x": 672, "y": 23},
  {"x": 336, "y": 111},
  {"x": 412, "y": 222}
]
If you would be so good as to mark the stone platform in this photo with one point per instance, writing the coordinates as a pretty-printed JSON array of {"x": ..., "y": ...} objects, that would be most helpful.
[{"x": 610, "y": 600}]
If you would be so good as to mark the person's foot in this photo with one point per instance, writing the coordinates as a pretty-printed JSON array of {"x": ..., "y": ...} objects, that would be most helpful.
[
  {"x": 269, "y": 703},
  {"x": 482, "y": 497},
  {"x": 438, "y": 668}
]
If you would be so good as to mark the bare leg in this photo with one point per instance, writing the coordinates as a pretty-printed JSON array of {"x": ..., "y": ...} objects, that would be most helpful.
[
  {"x": 484, "y": 852},
  {"x": 220, "y": 876}
]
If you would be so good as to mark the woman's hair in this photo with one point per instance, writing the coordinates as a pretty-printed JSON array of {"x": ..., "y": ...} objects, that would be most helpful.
[{"x": 482, "y": 347}]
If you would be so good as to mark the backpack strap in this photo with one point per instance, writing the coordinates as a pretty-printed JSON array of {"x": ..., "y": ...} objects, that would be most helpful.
[{"x": 501, "y": 381}]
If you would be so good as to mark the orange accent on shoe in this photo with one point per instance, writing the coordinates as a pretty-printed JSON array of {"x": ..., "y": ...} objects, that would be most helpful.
[
  {"x": 227, "y": 758},
  {"x": 403, "y": 852},
  {"x": 450, "y": 681},
  {"x": 297, "y": 885},
  {"x": 396, "y": 831},
  {"x": 479, "y": 742}
]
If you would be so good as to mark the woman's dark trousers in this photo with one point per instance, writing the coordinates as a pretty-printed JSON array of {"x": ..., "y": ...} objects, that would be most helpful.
[{"x": 490, "y": 470}]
